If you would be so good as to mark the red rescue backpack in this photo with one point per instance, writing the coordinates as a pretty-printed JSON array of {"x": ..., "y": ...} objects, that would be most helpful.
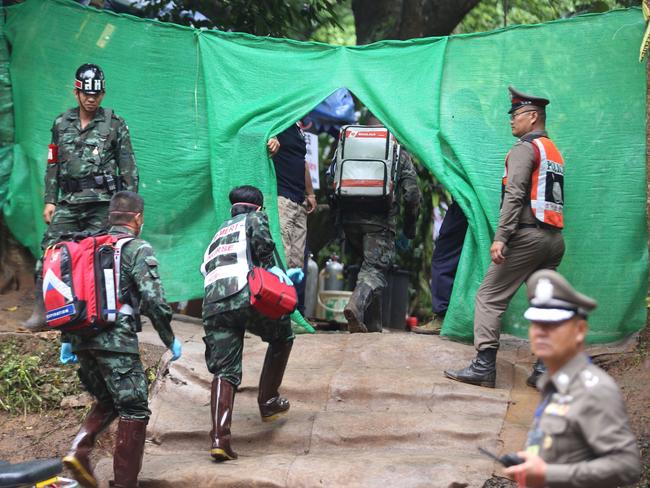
[{"x": 81, "y": 283}]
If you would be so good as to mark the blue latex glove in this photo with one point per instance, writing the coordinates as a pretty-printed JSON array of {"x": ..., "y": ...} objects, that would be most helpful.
[
  {"x": 296, "y": 274},
  {"x": 67, "y": 356},
  {"x": 280, "y": 274},
  {"x": 176, "y": 350}
]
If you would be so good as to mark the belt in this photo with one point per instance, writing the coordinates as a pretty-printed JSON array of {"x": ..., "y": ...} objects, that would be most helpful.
[
  {"x": 539, "y": 225},
  {"x": 74, "y": 185}
]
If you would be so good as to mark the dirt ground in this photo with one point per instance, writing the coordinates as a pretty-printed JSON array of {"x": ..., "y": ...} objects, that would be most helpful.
[{"x": 49, "y": 434}]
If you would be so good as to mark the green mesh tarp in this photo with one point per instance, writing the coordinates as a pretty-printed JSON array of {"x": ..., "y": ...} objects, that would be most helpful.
[{"x": 200, "y": 106}]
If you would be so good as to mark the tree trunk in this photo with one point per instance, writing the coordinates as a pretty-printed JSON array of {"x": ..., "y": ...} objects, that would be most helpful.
[{"x": 406, "y": 19}]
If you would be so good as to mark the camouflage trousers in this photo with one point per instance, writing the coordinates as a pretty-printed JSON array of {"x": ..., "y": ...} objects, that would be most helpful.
[
  {"x": 116, "y": 380},
  {"x": 376, "y": 245},
  {"x": 224, "y": 339},
  {"x": 67, "y": 218},
  {"x": 78, "y": 217}
]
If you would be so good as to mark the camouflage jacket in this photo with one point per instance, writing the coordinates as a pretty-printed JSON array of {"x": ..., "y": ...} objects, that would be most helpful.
[
  {"x": 262, "y": 249},
  {"x": 140, "y": 280},
  {"x": 98, "y": 149},
  {"x": 407, "y": 190}
]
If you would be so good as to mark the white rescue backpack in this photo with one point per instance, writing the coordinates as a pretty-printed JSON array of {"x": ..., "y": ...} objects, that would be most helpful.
[{"x": 365, "y": 169}]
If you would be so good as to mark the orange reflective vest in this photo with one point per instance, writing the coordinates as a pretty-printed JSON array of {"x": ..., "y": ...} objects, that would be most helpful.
[{"x": 547, "y": 182}]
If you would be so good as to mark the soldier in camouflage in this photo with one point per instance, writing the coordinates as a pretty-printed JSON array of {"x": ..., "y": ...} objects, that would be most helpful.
[
  {"x": 371, "y": 234},
  {"x": 110, "y": 367},
  {"x": 90, "y": 158},
  {"x": 242, "y": 241}
]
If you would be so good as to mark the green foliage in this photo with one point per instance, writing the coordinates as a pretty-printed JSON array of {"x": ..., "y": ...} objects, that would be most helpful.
[
  {"x": 296, "y": 19},
  {"x": 33, "y": 381},
  {"x": 341, "y": 33},
  {"x": 489, "y": 14}
]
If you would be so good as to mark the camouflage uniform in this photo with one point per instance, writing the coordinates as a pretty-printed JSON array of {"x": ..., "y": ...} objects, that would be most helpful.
[
  {"x": 225, "y": 321},
  {"x": 102, "y": 148},
  {"x": 110, "y": 366},
  {"x": 371, "y": 234}
]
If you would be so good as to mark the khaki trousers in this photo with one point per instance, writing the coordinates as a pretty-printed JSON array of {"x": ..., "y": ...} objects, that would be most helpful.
[
  {"x": 527, "y": 251},
  {"x": 293, "y": 226}
]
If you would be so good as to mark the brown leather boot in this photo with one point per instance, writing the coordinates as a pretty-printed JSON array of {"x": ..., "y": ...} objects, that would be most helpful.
[
  {"x": 129, "y": 448},
  {"x": 77, "y": 460},
  {"x": 356, "y": 308},
  {"x": 221, "y": 404},
  {"x": 271, "y": 404}
]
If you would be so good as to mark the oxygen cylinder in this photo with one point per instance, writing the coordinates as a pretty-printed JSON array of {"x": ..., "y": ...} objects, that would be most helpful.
[
  {"x": 333, "y": 274},
  {"x": 311, "y": 287}
]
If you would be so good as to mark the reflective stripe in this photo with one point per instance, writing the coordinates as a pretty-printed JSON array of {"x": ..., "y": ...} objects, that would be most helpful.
[
  {"x": 536, "y": 203},
  {"x": 350, "y": 182},
  {"x": 50, "y": 280},
  {"x": 109, "y": 286},
  {"x": 117, "y": 260}
]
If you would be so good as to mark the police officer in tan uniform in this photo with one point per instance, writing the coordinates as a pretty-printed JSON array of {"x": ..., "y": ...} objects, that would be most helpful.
[
  {"x": 528, "y": 235},
  {"x": 580, "y": 435}
]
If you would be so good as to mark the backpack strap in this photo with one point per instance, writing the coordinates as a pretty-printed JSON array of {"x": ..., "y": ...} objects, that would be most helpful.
[{"x": 117, "y": 257}]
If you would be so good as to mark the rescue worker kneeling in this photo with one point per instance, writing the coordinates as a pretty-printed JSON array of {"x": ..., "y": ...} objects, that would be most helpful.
[{"x": 240, "y": 243}]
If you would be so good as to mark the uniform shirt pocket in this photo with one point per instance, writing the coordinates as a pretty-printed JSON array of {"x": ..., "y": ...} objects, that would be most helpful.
[
  {"x": 556, "y": 439},
  {"x": 129, "y": 386},
  {"x": 152, "y": 264}
]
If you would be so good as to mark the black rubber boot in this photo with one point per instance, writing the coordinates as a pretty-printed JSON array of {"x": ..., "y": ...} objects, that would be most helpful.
[
  {"x": 36, "y": 321},
  {"x": 372, "y": 318},
  {"x": 271, "y": 404},
  {"x": 356, "y": 308},
  {"x": 538, "y": 370},
  {"x": 482, "y": 371}
]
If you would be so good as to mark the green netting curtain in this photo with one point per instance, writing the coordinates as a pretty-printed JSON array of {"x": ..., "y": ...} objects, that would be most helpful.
[{"x": 201, "y": 104}]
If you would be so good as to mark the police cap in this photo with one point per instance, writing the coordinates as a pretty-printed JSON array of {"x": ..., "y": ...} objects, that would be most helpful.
[
  {"x": 553, "y": 299},
  {"x": 519, "y": 99}
]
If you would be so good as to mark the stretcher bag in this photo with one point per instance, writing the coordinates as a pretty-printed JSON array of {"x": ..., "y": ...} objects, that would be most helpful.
[
  {"x": 81, "y": 282},
  {"x": 366, "y": 165}
]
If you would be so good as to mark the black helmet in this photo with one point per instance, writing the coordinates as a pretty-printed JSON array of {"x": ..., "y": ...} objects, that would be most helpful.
[{"x": 89, "y": 78}]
